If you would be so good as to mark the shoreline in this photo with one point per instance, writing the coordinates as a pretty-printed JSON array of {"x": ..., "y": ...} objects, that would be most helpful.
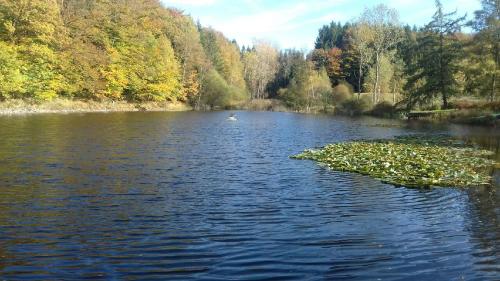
[
  {"x": 67, "y": 106},
  {"x": 16, "y": 107}
]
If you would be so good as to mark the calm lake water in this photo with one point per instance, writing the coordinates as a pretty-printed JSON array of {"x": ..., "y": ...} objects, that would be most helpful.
[{"x": 191, "y": 196}]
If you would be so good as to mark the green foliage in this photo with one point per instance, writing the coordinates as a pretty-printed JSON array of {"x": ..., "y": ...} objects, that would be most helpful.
[
  {"x": 225, "y": 57},
  {"x": 487, "y": 39},
  {"x": 218, "y": 93},
  {"x": 386, "y": 74},
  {"x": 411, "y": 161},
  {"x": 439, "y": 51},
  {"x": 309, "y": 89},
  {"x": 331, "y": 36},
  {"x": 289, "y": 63},
  {"x": 186, "y": 41}
]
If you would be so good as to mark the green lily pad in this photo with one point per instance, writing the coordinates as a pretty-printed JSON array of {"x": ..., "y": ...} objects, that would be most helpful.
[{"x": 413, "y": 161}]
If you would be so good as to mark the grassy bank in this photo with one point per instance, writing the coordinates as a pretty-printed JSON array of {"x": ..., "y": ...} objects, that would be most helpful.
[
  {"x": 262, "y": 105},
  {"x": 459, "y": 116},
  {"x": 59, "y": 105},
  {"x": 460, "y": 111},
  {"x": 479, "y": 115}
]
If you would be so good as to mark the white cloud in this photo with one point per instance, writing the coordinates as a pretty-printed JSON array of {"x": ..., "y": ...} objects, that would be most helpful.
[
  {"x": 282, "y": 25},
  {"x": 295, "y": 23},
  {"x": 265, "y": 24}
]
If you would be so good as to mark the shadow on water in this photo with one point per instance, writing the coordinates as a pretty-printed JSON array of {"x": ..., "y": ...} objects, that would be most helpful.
[{"x": 190, "y": 196}]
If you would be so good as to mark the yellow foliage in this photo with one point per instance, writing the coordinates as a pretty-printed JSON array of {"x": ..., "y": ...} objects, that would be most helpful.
[{"x": 191, "y": 87}]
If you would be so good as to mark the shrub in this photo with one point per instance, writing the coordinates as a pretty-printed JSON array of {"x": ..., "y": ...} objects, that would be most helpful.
[
  {"x": 492, "y": 106},
  {"x": 218, "y": 94},
  {"x": 367, "y": 102},
  {"x": 463, "y": 104},
  {"x": 355, "y": 106},
  {"x": 342, "y": 92},
  {"x": 466, "y": 104},
  {"x": 384, "y": 109}
]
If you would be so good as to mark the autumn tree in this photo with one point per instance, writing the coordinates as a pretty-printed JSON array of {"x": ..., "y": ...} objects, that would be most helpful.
[
  {"x": 225, "y": 59},
  {"x": 11, "y": 78},
  {"x": 33, "y": 31},
  {"x": 308, "y": 88},
  {"x": 186, "y": 41},
  {"x": 359, "y": 42},
  {"x": 331, "y": 61},
  {"x": 260, "y": 67},
  {"x": 224, "y": 56},
  {"x": 383, "y": 34}
]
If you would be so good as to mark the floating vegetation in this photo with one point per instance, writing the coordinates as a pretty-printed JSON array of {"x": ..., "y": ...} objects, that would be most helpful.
[{"x": 413, "y": 161}]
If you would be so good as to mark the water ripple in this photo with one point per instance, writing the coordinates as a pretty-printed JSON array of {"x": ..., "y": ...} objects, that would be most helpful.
[{"x": 188, "y": 196}]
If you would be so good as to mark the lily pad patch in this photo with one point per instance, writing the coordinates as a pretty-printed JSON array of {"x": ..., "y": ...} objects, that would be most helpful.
[{"x": 413, "y": 161}]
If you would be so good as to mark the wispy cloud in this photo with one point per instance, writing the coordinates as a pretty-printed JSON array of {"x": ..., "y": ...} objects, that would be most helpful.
[
  {"x": 294, "y": 23},
  {"x": 282, "y": 24}
]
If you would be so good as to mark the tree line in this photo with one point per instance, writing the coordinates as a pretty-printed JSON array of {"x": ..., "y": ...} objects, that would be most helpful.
[
  {"x": 138, "y": 50},
  {"x": 385, "y": 62},
  {"x": 134, "y": 50}
]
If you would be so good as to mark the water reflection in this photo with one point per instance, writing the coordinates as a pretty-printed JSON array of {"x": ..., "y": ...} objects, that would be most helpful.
[{"x": 190, "y": 196}]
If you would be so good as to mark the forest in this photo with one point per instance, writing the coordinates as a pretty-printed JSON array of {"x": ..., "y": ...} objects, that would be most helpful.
[{"x": 141, "y": 51}]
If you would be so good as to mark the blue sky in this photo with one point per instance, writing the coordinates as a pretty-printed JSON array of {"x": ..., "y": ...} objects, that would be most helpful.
[{"x": 294, "y": 23}]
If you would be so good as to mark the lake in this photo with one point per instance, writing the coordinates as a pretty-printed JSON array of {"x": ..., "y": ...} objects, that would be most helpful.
[{"x": 192, "y": 196}]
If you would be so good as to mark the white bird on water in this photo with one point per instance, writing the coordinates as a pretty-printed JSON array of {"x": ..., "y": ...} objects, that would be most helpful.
[{"x": 232, "y": 117}]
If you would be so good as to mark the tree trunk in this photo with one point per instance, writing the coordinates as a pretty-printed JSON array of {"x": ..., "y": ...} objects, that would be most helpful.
[
  {"x": 494, "y": 79},
  {"x": 493, "y": 86},
  {"x": 394, "y": 94},
  {"x": 441, "y": 74},
  {"x": 360, "y": 75},
  {"x": 445, "y": 100},
  {"x": 200, "y": 90},
  {"x": 377, "y": 79},
  {"x": 184, "y": 72}
]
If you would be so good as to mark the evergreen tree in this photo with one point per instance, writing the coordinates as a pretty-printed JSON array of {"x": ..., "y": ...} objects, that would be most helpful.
[
  {"x": 289, "y": 61},
  {"x": 437, "y": 58},
  {"x": 487, "y": 24},
  {"x": 331, "y": 36}
]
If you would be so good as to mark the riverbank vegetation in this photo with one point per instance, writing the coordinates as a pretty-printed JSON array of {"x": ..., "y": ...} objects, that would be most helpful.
[
  {"x": 139, "y": 51},
  {"x": 412, "y": 161}
]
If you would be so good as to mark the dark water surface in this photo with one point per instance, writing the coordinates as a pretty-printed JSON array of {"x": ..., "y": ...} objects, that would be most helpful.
[{"x": 191, "y": 196}]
